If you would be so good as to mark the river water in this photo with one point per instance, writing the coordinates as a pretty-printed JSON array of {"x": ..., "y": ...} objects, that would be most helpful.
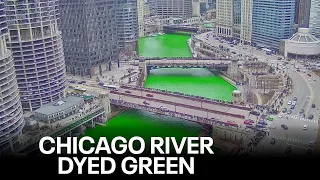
[{"x": 195, "y": 81}]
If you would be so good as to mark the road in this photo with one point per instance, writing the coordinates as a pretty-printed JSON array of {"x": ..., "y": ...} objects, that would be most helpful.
[{"x": 305, "y": 92}]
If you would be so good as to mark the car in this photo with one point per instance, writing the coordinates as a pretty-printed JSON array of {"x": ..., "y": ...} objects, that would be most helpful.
[
  {"x": 279, "y": 116},
  {"x": 265, "y": 129},
  {"x": 146, "y": 103},
  {"x": 305, "y": 127},
  {"x": 247, "y": 122},
  {"x": 262, "y": 122},
  {"x": 293, "y": 103},
  {"x": 127, "y": 91},
  {"x": 295, "y": 99},
  {"x": 313, "y": 79},
  {"x": 310, "y": 116},
  {"x": 255, "y": 113},
  {"x": 284, "y": 110},
  {"x": 279, "y": 58},
  {"x": 289, "y": 102},
  {"x": 309, "y": 75},
  {"x": 292, "y": 106},
  {"x": 313, "y": 105},
  {"x": 149, "y": 95},
  {"x": 289, "y": 111},
  {"x": 285, "y": 127},
  {"x": 301, "y": 111},
  {"x": 272, "y": 141},
  {"x": 311, "y": 143}
]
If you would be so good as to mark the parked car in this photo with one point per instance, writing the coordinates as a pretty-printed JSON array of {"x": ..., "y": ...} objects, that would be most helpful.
[
  {"x": 127, "y": 91},
  {"x": 149, "y": 95},
  {"x": 313, "y": 105},
  {"x": 284, "y": 110}
]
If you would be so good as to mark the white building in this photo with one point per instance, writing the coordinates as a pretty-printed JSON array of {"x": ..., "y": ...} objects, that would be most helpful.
[
  {"x": 302, "y": 45},
  {"x": 314, "y": 22},
  {"x": 141, "y": 8},
  {"x": 224, "y": 17},
  {"x": 246, "y": 20}
]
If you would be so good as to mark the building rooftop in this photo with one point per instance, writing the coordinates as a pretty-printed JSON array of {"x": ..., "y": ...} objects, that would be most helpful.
[
  {"x": 303, "y": 36},
  {"x": 60, "y": 105}
]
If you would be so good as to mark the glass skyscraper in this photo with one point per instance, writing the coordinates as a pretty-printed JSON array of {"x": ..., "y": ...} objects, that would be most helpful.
[
  {"x": 272, "y": 21},
  {"x": 89, "y": 32}
]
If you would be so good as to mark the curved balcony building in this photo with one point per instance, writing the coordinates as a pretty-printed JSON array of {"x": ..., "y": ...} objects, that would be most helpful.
[
  {"x": 127, "y": 23},
  {"x": 11, "y": 116},
  {"x": 37, "y": 49}
]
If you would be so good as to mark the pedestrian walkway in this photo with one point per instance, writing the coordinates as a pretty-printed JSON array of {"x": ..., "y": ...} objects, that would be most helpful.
[
  {"x": 291, "y": 140},
  {"x": 296, "y": 117}
]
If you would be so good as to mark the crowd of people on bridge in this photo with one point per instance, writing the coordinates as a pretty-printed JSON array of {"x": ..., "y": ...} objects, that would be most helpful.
[
  {"x": 162, "y": 110},
  {"x": 191, "y": 97}
]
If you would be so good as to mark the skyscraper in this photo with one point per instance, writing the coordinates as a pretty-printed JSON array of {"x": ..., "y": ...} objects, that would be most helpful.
[
  {"x": 141, "y": 17},
  {"x": 272, "y": 21},
  {"x": 127, "y": 24},
  {"x": 11, "y": 119},
  {"x": 174, "y": 8},
  {"x": 89, "y": 32},
  {"x": 37, "y": 49},
  {"x": 246, "y": 21},
  {"x": 236, "y": 31},
  {"x": 314, "y": 23},
  {"x": 303, "y": 13},
  {"x": 224, "y": 20}
]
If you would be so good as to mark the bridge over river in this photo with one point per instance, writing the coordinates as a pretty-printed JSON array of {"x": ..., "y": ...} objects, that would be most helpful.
[{"x": 188, "y": 107}]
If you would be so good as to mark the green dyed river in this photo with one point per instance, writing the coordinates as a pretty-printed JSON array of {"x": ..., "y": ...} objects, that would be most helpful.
[
  {"x": 195, "y": 81},
  {"x": 165, "y": 46}
]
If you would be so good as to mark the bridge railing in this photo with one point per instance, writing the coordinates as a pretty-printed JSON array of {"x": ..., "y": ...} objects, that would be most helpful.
[
  {"x": 180, "y": 105},
  {"x": 191, "y": 97},
  {"x": 205, "y": 120}
]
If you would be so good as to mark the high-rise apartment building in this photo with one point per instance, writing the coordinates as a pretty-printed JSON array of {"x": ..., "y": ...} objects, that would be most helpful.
[
  {"x": 11, "y": 116},
  {"x": 89, "y": 32},
  {"x": 141, "y": 17},
  {"x": 174, "y": 8},
  {"x": 127, "y": 24},
  {"x": 303, "y": 14},
  {"x": 224, "y": 17},
  {"x": 236, "y": 29},
  {"x": 314, "y": 22},
  {"x": 246, "y": 21},
  {"x": 37, "y": 49},
  {"x": 272, "y": 21}
]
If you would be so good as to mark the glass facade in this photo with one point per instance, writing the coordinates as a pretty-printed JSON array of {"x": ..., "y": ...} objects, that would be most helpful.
[
  {"x": 11, "y": 116},
  {"x": 37, "y": 49},
  {"x": 89, "y": 33},
  {"x": 272, "y": 21},
  {"x": 127, "y": 22}
]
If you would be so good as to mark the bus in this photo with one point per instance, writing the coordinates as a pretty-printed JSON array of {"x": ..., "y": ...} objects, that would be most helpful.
[
  {"x": 110, "y": 87},
  {"x": 77, "y": 88}
]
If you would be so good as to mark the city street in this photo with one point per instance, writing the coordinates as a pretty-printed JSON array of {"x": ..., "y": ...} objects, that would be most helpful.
[{"x": 304, "y": 90}]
